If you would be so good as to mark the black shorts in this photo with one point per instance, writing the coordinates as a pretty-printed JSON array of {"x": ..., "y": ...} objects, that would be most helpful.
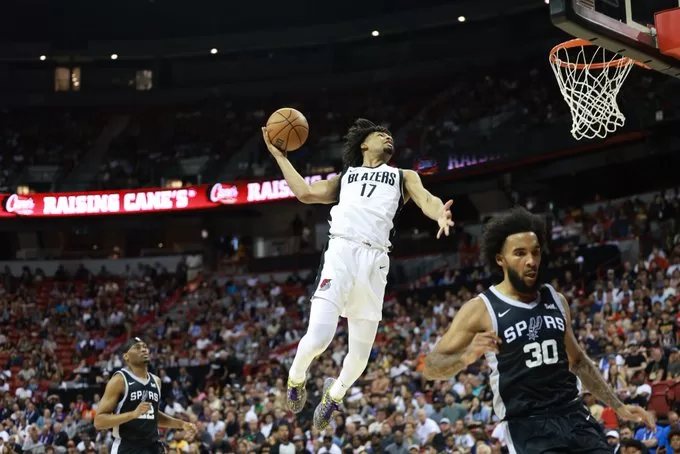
[
  {"x": 133, "y": 447},
  {"x": 571, "y": 431}
]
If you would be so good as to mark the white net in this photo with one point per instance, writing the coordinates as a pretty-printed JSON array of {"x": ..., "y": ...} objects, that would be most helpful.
[{"x": 590, "y": 78}]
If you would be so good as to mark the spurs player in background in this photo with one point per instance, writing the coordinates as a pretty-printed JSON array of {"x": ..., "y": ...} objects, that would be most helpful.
[
  {"x": 130, "y": 405},
  {"x": 351, "y": 282},
  {"x": 524, "y": 329}
]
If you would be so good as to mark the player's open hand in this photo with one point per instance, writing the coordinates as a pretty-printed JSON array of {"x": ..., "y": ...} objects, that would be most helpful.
[
  {"x": 189, "y": 429},
  {"x": 484, "y": 342},
  {"x": 270, "y": 146},
  {"x": 636, "y": 414},
  {"x": 142, "y": 409},
  {"x": 445, "y": 219}
]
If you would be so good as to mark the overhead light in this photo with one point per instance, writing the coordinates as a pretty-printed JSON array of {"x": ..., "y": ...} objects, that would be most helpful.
[
  {"x": 114, "y": 56},
  {"x": 375, "y": 33},
  {"x": 213, "y": 51},
  {"x": 461, "y": 18},
  {"x": 43, "y": 58}
]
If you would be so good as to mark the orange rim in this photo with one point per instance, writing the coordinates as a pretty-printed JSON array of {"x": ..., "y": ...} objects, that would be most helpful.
[{"x": 578, "y": 42}]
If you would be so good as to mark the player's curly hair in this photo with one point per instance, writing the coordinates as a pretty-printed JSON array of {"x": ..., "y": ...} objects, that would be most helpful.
[
  {"x": 352, "y": 156},
  {"x": 498, "y": 228}
]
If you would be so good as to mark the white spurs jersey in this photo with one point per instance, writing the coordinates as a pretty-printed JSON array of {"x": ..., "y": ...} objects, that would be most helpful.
[{"x": 369, "y": 201}]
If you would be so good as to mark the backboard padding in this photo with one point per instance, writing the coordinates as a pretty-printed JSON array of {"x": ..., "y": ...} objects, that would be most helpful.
[{"x": 581, "y": 19}]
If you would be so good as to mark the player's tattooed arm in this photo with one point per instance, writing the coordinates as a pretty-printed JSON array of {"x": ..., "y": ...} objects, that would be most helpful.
[
  {"x": 584, "y": 368},
  {"x": 469, "y": 336},
  {"x": 592, "y": 379},
  {"x": 442, "y": 366}
]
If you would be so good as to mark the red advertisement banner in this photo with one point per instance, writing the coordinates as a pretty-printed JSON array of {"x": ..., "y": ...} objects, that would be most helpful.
[{"x": 147, "y": 200}]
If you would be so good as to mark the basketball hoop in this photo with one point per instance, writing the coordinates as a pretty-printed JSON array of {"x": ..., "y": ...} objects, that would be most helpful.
[{"x": 590, "y": 78}]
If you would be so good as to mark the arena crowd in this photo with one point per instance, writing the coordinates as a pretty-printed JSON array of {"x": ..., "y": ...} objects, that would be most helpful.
[{"x": 222, "y": 349}]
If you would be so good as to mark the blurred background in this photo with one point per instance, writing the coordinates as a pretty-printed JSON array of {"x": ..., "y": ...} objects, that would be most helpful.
[{"x": 190, "y": 240}]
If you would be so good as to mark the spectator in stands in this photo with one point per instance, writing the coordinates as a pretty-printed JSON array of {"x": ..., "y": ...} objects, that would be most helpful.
[
  {"x": 439, "y": 440},
  {"x": 243, "y": 394},
  {"x": 673, "y": 366},
  {"x": 464, "y": 439},
  {"x": 281, "y": 443},
  {"x": 633, "y": 447},
  {"x": 650, "y": 437},
  {"x": 658, "y": 364},
  {"x": 673, "y": 446},
  {"x": 613, "y": 440}
]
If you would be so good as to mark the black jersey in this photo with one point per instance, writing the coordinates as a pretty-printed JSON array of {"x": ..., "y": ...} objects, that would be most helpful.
[
  {"x": 530, "y": 374},
  {"x": 145, "y": 428}
]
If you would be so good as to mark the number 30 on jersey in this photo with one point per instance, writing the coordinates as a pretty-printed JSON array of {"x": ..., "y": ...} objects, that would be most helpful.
[{"x": 541, "y": 353}]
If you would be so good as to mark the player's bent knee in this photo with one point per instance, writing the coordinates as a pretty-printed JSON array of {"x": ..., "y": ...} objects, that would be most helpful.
[
  {"x": 318, "y": 338},
  {"x": 363, "y": 331}
]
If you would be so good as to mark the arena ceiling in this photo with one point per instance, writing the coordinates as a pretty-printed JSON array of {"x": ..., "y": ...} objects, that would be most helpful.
[{"x": 67, "y": 23}]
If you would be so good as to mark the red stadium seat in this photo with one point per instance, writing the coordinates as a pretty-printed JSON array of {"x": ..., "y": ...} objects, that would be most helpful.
[
  {"x": 675, "y": 391},
  {"x": 658, "y": 401}
]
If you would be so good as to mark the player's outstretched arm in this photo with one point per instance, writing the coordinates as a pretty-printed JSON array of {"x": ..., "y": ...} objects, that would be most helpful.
[
  {"x": 585, "y": 369},
  {"x": 469, "y": 336},
  {"x": 432, "y": 206},
  {"x": 169, "y": 422},
  {"x": 324, "y": 191},
  {"x": 105, "y": 419}
]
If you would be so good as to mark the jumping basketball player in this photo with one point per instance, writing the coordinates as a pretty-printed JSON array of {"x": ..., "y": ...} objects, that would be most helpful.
[
  {"x": 353, "y": 273},
  {"x": 130, "y": 405},
  {"x": 524, "y": 328}
]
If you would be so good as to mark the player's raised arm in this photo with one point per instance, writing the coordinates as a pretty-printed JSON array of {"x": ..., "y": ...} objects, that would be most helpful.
[
  {"x": 469, "y": 336},
  {"x": 432, "y": 206},
  {"x": 324, "y": 191},
  {"x": 585, "y": 369},
  {"x": 105, "y": 419}
]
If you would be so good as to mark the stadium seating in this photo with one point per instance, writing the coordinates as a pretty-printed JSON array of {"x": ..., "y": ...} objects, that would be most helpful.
[{"x": 247, "y": 343}]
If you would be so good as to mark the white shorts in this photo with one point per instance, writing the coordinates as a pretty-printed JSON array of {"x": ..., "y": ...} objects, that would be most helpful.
[{"x": 353, "y": 277}]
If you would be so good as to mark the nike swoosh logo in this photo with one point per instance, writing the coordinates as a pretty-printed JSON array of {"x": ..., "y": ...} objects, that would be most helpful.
[
  {"x": 383, "y": 267},
  {"x": 131, "y": 383},
  {"x": 502, "y": 314}
]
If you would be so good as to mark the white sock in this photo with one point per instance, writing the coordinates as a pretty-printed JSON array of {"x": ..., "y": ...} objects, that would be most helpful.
[{"x": 338, "y": 390}]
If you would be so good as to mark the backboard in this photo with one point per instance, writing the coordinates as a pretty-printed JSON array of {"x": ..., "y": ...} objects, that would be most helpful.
[{"x": 626, "y": 27}]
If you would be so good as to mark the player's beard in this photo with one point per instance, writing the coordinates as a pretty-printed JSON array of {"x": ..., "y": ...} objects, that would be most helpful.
[{"x": 522, "y": 287}]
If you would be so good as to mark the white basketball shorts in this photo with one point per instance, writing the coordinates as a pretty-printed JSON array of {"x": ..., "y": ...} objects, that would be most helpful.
[{"x": 353, "y": 277}]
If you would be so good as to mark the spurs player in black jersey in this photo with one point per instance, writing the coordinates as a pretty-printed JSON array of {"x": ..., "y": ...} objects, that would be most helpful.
[
  {"x": 130, "y": 405},
  {"x": 524, "y": 330}
]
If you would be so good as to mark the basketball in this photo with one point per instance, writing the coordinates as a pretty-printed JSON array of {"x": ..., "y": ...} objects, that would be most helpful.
[{"x": 287, "y": 129}]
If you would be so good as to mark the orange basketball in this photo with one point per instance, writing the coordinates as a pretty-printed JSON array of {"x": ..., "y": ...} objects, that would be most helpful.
[{"x": 287, "y": 129}]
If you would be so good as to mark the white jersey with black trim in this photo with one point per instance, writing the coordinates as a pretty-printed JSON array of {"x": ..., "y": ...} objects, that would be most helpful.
[{"x": 369, "y": 201}]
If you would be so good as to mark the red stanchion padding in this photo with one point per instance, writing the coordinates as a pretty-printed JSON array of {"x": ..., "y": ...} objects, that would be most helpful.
[{"x": 667, "y": 24}]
